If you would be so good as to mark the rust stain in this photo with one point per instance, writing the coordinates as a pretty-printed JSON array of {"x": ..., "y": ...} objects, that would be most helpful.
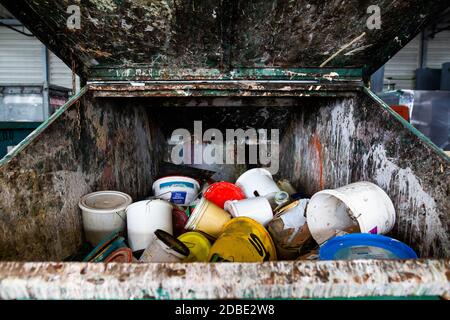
[
  {"x": 315, "y": 141},
  {"x": 176, "y": 272},
  {"x": 108, "y": 176}
]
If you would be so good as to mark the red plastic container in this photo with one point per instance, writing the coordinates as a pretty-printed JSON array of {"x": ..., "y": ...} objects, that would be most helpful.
[{"x": 220, "y": 192}]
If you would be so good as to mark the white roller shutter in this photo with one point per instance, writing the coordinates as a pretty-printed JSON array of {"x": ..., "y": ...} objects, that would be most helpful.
[
  {"x": 60, "y": 74},
  {"x": 20, "y": 58},
  {"x": 401, "y": 69},
  {"x": 439, "y": 50}
]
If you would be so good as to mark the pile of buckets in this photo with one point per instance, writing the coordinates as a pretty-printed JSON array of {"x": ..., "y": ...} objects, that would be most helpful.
[{"x": 254, "y": 219}]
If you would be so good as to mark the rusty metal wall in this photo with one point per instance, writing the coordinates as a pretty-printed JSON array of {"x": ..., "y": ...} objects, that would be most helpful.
[
  {"x": 91, "y": 146},
  {"x": 353, "y": 139}
]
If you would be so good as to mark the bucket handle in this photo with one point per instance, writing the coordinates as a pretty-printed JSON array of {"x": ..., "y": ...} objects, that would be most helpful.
[{"x": 120, "y": 216}]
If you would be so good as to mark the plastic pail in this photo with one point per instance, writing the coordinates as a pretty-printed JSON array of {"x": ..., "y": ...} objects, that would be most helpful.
[
  {"x": 257, "y": 182},
  {"x": 258, "y": 209},
  {"x": 208, "y": 218},
  {"x": 103, "y": 212},
  {"x": 220, "y": 192},
  {"x": 164, "y": 248},
  {"x": 144, "y": 218},
  {"x": 176, "y": 189},
  {"x": 365, "y": 246},
  {"x": 362, "y": 204}
]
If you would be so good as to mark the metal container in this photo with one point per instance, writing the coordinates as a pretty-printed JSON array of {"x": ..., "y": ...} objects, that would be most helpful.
[{"x": 263, "y": 66}]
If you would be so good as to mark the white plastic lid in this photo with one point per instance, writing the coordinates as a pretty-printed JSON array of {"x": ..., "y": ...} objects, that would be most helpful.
[{"x": 105, "y": 201}]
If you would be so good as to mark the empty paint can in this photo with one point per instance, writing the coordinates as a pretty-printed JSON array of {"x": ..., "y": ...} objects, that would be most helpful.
[
  {"x": 220, "y": 192},
  {"x": 143, "y": 218},
  {"x": 243, "y": 240},
  {"x": 103, "y": 212},
  {"x": 199, "y": 246},
  {"x": 289, "y": 230},
  {"x": 361, "y": 204},
  {"x": 164, "y": 248},
  {"x": 176, "y": 189},
  {"x": 257, "y": 182},
  {"x": 208, "y": 218},
  {"x": 258, "y": 209}
]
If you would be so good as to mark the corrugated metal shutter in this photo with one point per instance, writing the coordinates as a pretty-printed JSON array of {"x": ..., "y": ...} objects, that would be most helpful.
[
  {"x": 439, "y": 50},
  {"x": 20, "y": 58},
  {"x": 60, "y": 74},
  {"x": 401, "y": 69}
]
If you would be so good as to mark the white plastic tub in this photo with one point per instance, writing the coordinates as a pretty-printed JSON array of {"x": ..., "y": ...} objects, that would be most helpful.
[
  {"x": 144, "y": 218},
  {"x": 361, "y": 204},
  {"x": 176, "y": 189},
  {"x": 103, "y": 212}
]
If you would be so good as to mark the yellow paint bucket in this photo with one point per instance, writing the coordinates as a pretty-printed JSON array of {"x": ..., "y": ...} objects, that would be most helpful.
[
  {"x": 208, "y": 218},
  {"x": 243, "y": 240},
  {"x": 198, "y": 245}
]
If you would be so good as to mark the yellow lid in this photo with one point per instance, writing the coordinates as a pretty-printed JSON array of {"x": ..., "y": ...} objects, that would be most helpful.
[{"x": 198, "y": 245}]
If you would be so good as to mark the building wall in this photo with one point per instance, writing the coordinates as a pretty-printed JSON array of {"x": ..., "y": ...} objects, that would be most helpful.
[
  {"x": 22, "y": 61},
  {"x": 400, "y": 71},
  {"x": 20, "y": 58}
]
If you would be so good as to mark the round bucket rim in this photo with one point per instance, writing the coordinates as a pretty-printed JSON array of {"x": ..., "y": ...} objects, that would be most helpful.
[
  {"x": 176, "y": 177},
  {"x": 353, "y": 212},
  {"x": 135, "y": 204},
  {"x": 199, "y": 211},
  {"x": 392, "y": 245},
  {"x": 246, "y": 173},
  {"x": 83, "y": 206}
]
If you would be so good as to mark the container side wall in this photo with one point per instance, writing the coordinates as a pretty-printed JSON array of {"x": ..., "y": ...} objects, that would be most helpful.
[
  {"x": 269, "y": 280},
  {"x": 88, "y": 148},
  {"x": 353, "y": 139}
]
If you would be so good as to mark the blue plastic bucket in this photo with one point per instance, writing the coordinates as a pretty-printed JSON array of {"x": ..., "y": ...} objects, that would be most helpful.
[{"x": 365, "y": 246}]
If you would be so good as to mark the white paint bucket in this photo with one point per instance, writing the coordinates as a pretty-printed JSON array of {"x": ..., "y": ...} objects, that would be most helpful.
[
  {"x": 361, "y": 204},
  {"x": 164, "y": 248},
  {"x": 103, "y": 212},
  {"x": 258, "y": 209},
  {"x": 257, "y": 182},
  {"x": 144, "y": 218},
  {"x": 176, "y": 189}
]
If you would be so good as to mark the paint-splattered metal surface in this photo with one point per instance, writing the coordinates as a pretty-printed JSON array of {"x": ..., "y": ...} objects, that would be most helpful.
[
  {"x": 222, "y": 35},
  {"x": 118, "y": 143},
  {"x": 306, "y": 279},
  {"x": 227, "y": 88},
  {"x": 347, "y": 140},
  {"x": 81, "y": 149}
]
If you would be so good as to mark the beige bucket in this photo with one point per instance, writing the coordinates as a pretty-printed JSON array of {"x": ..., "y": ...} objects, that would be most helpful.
[{"x": 208, "y": 218}]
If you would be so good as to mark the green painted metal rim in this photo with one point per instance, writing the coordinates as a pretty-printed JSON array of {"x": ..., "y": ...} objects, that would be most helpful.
[
  {"x": 145, "y": 72},
  {"x": 33, "y": 135}
]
